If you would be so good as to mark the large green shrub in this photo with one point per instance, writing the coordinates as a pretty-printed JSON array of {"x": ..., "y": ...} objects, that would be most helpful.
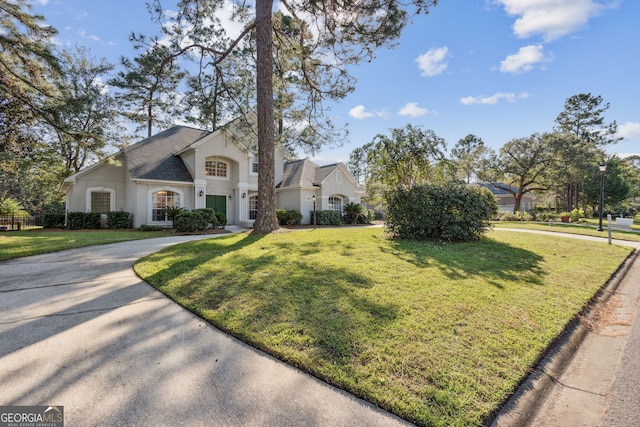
[
  {"x": 117, "y": 220},
  {"x": 451, "y": 213},
  {"x": 288, "y": 217},
  {"x": 189, "y": 221}
]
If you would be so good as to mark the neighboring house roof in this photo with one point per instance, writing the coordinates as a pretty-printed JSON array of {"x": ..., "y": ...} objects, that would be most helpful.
[
  {"x": 501, "y": 191},
  {"x": 301, "y": 173},
  {"x": 155, "y": 157}
]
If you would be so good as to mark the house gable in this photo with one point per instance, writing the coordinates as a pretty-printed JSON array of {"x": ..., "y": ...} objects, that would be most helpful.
[{"x": 155, "y": 158}]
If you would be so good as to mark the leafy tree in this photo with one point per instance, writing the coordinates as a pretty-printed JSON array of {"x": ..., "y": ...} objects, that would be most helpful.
[
  {"x": 617, "y": 187},
  {"x": 357, "y": 163},
  {"x": 84, "y": 123},
  {"x": 332, "y": 36},
  {"x": 583, "y": 117},
  {"x": 411, "y": 155},
  {"x": 521, "y": 166},
  {"x": 26, "y": 58},
  {"x": 468, "y": 154},
  {"x": 583, "y": 123},
  {"x": 148, "y": 84},
  {"x": 27, "y": 65}
]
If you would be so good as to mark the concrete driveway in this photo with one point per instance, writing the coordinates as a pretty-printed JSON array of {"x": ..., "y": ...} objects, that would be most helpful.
[{"x": 79, "y": 329}]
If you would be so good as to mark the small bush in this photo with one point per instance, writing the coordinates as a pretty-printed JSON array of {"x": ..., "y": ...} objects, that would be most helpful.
[
  {"x": 288, "y": 217},
  {"x": 222, "y": 220},
  {"x": 450, "y": 213},
  {"x": 83, "y": 220},
  {"x": 53, "y": 220},
  {"x": 352, "y": 213},
  {"x": 117, "y": 220},
  {"x": 327, "y": 218},
  {"x": 189, "y": 221},
  {"x": 209, "y": 216},
  {"x": 145, "y": 227}
]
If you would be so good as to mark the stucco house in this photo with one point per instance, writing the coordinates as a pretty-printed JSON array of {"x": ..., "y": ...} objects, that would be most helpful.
[
  {"x": 194, "y": 168},
  {"x": 506, "y": 201}
]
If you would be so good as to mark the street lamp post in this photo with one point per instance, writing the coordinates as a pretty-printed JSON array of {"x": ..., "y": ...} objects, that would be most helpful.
[
  {"x": 603, "y": 167},
  {"x": 314, "y": 211}
]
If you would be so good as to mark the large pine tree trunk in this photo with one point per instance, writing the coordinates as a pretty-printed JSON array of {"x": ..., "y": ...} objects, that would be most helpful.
[{"x": 266, "y": 220}]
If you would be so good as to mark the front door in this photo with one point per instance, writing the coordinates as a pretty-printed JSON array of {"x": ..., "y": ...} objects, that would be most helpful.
[{"x": 217, "y": 203}]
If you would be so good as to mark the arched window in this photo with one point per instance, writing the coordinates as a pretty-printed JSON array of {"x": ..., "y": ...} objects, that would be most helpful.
[
  {"x": 335, "y": 203},
  {"x": 215, "y": 168},
  {"x": 161, "y": 199},
  {"x": 253, "y": 207}
]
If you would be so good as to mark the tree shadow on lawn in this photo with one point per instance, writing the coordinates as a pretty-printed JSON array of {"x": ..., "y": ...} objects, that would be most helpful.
[
  {"x": 286, "y": 307},
  {"x": 489, "y": 259}
]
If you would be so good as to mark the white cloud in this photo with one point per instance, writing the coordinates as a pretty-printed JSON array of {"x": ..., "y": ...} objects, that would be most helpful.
[
  {"x": 433, "y": 62},
  {"x": 413, "y": 110},
  {"x": 359, "y": 112},
  {"x": 523, "y": 61},
  {"x": 86, "y": 35},
  {"x": 551, "y": 18},
  {"x": 493, "y": 99},
  {"x": 629, "y": 130}
]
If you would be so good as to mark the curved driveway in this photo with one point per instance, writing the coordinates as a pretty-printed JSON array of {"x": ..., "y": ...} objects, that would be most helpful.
[{"x": 79, "y": 329}]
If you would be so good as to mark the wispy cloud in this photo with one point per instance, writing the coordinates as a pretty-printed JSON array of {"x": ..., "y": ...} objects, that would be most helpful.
[
  {"x": 493, "y": 99},
  {"x": 359, "y": 112},
  {"x": 525, "y": 60},
  {"x": 552, "y": 19},
  {"x": 433, "y": 62},
  {"x": 629, "y": 130},
  {"x": 412, "y": 109},
  {"x": 82, "y": 33}
]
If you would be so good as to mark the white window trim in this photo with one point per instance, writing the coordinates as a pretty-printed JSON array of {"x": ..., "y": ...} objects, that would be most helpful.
[
  {"x": 112, "y": 197},
  {"x": 251, "y": 163},
  {"x": 219, "y": 178},
  {"x": 150, "y": 203}
]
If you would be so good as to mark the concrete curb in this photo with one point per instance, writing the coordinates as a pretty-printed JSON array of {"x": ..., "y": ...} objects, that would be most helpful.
[{"x": 527, "y": 400}]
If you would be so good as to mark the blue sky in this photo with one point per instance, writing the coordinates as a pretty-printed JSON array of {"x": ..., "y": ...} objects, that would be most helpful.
[{"x": 499, "y": 69}]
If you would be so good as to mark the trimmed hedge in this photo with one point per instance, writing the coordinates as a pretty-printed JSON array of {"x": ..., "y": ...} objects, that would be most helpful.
[
  {"x": 83, "y": 220},
  {"x": 117, "y": 220},
  {"x": 53, "y": 220},
  {"x": 449, "y": 213},
  {"x": 327, "y": 217}
]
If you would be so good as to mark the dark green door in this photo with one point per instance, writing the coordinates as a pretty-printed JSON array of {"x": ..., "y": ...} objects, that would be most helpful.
[{"x": 217, "y": 203}]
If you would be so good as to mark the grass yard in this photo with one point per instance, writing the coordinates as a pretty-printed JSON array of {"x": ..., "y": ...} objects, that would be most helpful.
[
  {"x": 16, "y": 244},
  {"x": 439, "y": 334},
  {"x": 581, "y": 229}
]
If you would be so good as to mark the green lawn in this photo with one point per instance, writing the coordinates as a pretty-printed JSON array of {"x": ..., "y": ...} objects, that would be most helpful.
[
  {"x": 582, "y": 229},
  {"x": 16, "y": 244},
  {"x": 439, "y": 334}
]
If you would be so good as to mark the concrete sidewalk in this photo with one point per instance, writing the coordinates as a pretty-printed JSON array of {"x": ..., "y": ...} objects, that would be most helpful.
[
  {"x": 79, "y": 329},
  {"x": 592, "y": 377}
]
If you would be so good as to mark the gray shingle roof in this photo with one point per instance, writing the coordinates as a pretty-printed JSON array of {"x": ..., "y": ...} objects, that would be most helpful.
[
  {"x": 154, "y": 157},
  {"x": 304, "y": 173}
]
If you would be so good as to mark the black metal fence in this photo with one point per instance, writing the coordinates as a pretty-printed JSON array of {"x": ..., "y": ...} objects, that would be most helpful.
[{"x": 19, "y": 222}]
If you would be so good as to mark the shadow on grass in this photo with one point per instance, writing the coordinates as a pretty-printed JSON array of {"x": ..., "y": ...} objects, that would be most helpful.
[
  {"x": 487, "y": 258},
  {"x": 280, "y": 304}
]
